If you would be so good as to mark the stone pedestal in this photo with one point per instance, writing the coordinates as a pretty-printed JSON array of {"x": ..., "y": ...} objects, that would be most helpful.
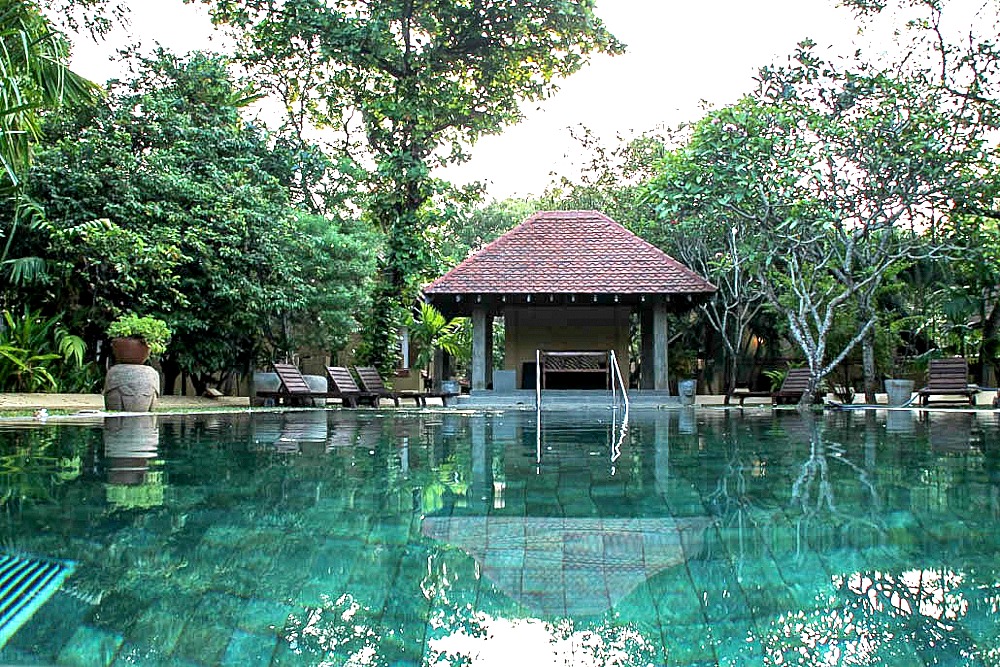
[
  {"x": 264, "y": 382},
  {"x": 503, "y": 382},
  {"x": 898, "y": 392},
  {"x": 131, "y": 388}
]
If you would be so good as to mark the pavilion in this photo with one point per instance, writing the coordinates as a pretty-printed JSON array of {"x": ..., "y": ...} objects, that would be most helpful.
[{"x": 568, "y": 281}]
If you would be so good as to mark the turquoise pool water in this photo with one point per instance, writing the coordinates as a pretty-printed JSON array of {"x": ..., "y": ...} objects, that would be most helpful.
[{"x": 419, "y": 538}]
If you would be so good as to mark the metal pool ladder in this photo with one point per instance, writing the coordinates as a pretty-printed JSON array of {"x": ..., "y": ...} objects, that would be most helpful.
[
  {"x": 616, "y": 374},
  {"x": 616, "y": 429},
  {"x": 617, "y": 380}
]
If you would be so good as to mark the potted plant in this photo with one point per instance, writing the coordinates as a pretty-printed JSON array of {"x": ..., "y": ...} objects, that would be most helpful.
[{"x": 135, "y": 338}]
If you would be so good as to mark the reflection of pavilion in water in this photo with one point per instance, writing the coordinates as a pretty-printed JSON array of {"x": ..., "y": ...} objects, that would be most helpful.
[
  {"x": 570, "y": 566},
  {"x": 553, "y": 563}
]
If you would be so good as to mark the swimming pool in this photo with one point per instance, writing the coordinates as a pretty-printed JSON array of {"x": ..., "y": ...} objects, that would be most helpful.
[{"x": 691, "y": 537}]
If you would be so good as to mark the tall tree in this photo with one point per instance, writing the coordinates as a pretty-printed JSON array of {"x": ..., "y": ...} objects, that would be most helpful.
[
  {"x": 897, "y": 156},
  {"x": 714, "y": 196},
  {"x": 411, "y": 83},
  {"x": 846, "y": 173},
  {"x": 954, "y": 46}
]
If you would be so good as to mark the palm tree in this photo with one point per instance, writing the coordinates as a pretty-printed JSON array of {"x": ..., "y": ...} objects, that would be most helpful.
[{"x": 34, "y": 77}]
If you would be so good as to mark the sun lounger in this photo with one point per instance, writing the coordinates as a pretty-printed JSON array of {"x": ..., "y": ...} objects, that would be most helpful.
[
  {"x": 371, "y": 382},
  {"x": 948, "y": 377},
  {"x": 344, "y": 387},
  {"x": 795, "y": 384},
  {"x": 293, "y": 387},
  {"x": 742, "y": 394}
]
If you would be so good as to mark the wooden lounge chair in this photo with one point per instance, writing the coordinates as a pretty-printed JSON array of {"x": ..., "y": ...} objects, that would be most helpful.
[
  {"x": 948, "y": 377},
  {"x": 344, "y": 387},
  {"x": 293, "y": 388},
  {"x": 790, "y": 391},
  {"x": 742, "y": 394},
  {"x": 371, "y": 382},
  {"x": 795, "y": 384}
]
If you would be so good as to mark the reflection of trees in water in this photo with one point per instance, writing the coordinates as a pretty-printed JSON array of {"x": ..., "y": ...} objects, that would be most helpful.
[
  {"x": 533, "y": 641},
  {"x": 344, "y": 630},
  {"x": 883, "y": 618},
  {"x": 813, "y": 489},
  {"x": 34, "y": 463},
  {"x": 461, "y": 620},
  {"x": 463, "y": 626},
  {"x": 991, "y": 467},
  {"x": 739, "y": 512}
]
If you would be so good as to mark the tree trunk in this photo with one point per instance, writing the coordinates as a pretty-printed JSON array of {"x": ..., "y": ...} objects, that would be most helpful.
[
  {"x": 866, "y": 313},
  {"x": 200, "y": 383},
  {"x": 171, "y": 371},
  {"x": 732, "y": 368},
  {"x": 988, "y": 349},
  {"x": 868, "y": 366}
]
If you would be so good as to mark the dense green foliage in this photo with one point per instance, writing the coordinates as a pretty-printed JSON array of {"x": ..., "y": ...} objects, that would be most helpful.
[
  {"x": 166, "y": 201},
  {"x": 416, "y": 82},
  {"x": 40, "y": 354},
  {"x": 846, "y": 210},
  {"x": 34, "y": 78}
]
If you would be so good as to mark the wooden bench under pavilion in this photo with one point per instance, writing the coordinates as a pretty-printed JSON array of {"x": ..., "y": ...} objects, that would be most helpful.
[{"x": 561, "y": 364}]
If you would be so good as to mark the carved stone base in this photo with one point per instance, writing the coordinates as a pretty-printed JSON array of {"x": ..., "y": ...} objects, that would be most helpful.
[{"x": 131, "y": 388}]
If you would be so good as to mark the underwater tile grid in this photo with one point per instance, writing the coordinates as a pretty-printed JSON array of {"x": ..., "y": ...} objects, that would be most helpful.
[{"x": 684, "y": 537}]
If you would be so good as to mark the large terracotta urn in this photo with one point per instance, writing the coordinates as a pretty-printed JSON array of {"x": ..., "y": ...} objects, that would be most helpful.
[{"x": 130, "y": 350}]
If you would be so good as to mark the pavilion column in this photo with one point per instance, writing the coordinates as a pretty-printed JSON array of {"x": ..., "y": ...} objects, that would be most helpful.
[
  {"x": 646, "y": 362},
  {"x": 660, "y": 352},
  {"x": 482, "y": 349}
]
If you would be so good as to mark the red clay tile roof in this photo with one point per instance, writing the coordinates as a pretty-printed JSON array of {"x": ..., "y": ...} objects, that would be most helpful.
[{"x": 567, "y": 252}]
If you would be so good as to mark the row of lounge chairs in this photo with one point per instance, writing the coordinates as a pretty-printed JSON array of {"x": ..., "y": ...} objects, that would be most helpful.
[
  {"x": 364, "y": 387},
  {"x": 945, "y": 378}
]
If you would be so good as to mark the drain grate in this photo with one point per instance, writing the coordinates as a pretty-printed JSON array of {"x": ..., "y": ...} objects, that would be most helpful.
[{"x": 26, "y": 583}]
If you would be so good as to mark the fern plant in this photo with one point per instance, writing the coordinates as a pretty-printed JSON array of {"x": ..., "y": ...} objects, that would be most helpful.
[
  {"x": 777, "y": 377},
  {"x": 37, "y": 354}
]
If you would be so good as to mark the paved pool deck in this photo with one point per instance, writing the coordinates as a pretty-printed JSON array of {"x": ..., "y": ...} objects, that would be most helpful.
[{"x": 94, "y": 403}]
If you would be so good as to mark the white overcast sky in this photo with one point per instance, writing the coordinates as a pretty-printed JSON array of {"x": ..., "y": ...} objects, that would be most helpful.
[{"x": 679, "y": 53}]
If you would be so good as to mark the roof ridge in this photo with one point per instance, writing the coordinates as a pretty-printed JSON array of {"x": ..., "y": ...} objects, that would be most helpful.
[{"x": 543, "y": 254}]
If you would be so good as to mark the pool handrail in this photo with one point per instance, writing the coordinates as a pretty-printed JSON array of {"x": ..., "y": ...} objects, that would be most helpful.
[
  {"x": 616, "y": 373},
  {"x": 613, "y": 368}
]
